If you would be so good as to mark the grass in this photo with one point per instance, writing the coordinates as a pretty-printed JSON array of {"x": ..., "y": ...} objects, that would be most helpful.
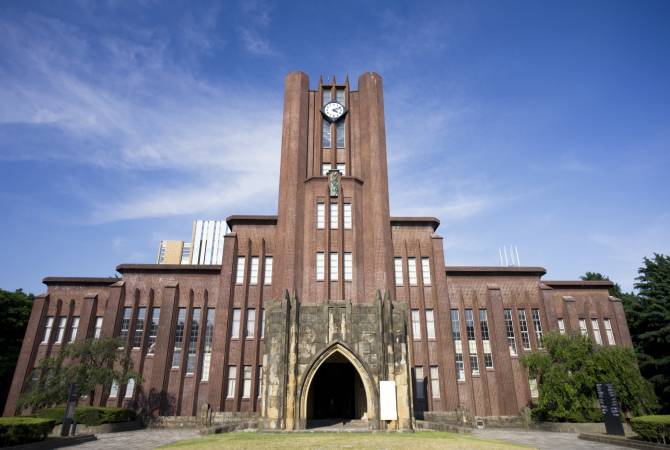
[{"x": 406, "y": 441}]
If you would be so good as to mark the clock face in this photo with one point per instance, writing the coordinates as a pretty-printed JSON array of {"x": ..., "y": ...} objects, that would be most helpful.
[{"x": 333, "y": 111}]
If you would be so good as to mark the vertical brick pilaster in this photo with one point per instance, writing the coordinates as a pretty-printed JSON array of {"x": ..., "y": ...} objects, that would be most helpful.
[{"x": 160, "y": 373}]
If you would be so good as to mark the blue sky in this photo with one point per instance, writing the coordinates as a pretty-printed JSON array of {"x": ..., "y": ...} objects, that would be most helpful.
[{"x": 540, "y": 124}]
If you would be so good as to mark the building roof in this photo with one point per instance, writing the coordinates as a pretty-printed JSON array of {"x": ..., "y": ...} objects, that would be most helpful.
[
  {"x": 420, "y": 221},
  {"x": 250, "y": 220},
  {"x": 80, "y": 281},
  {"x": 494, "y": 270},
  {"x": 579, "y": 284},
  {"x": 175, "y": 268}
]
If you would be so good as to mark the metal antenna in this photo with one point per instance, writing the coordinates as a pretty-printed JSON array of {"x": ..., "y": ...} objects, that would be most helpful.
[
  {"x": 505, "y": 251},
  {"x": 500, "y": 255},
  {"x": 517, "y": 255}
]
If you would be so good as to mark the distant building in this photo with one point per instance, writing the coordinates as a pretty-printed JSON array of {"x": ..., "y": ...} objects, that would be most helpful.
[
  {"x": 206, "y": 246},
  {"x": 172, "y": 252}
]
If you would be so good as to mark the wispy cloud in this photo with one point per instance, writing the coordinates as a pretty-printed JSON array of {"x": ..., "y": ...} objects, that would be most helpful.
[{"x": 257, "y": 20}]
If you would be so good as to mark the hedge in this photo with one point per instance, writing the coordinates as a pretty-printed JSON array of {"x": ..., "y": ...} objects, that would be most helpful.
[
  {"x": 21, "y": 430},
  {"x": 652, "y": 428},
  {"x": 90, "y": 415}
]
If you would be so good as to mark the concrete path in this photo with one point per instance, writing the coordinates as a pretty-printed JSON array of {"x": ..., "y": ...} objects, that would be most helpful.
[
  {"x": 543, "y": 439},
  {"x": 137, "y": 440}
]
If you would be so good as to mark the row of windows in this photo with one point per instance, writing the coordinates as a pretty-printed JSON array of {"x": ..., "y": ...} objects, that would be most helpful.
[
  {"x": 412, "y": 272},
  {"x": 416, "y": 325},
  {"x": 327, "y": 167},
  {"x": 472, "y": 341},
  {"x": 246, "y": 381},
  {"x": 61, "y": 329},
  {"x": 334, "y": 266},
  {"x": 595, "y": 326},
  {"x": 523, "y": 328},
  {"x": 334, "y": 215},
  {"x": 253, "y": 270},
  {"x": 250, "y": 329},
  {"x": 420, "y": 382}
]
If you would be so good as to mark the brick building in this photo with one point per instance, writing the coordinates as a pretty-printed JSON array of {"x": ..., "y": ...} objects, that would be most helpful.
[{"x": 331, "y": 309}]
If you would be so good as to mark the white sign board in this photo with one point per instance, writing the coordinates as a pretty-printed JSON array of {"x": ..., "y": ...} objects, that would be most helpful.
[{"x": 387, "y": 401}]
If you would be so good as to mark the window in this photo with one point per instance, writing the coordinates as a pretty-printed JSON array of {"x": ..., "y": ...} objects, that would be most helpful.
[
  {"x": 434, "y": 381},
  {"x": 486, "y": 343},
  {"x": 178, "y": 338},
  {"x": 193, "y": 334},
  {"x": 430, "y": 324},
  {"x": 253, "y": 276},
  {"x": 139, "y": 326},
  {"x": 60, "y": 331},
  {"x": 207, "y": 348},
  {"x": 130, "y": 388},
  {"x": 153, "y": 330},
  {"x": 411, "y": 265},
  {"x": 596, "y": 331},
  {"x": 240, "y": 270},
  {"x": 582, "y": 327},
  {"x": 320, "y": 266},
  {"x": 561, "y": 326},
  {"x": 523, "y": 327},
  {"x": 114, "y": 389},
  {"x": 455, "y": 325},
  {"x": 341, "y": 167},
  {"x": 398, "y": 271},
  {"x": 348, "y": 267},
  {"x": 347, "y": 216},
  {"x": 326, "y": 141},
  {"x": 232, "y": 381},
  {"x": 416, "y": 326},
  {"x": 246, "y": 383},
  {"x": 334, "y": 266},
  {"x": 235, "y": 330},
  {"x": 97, "y": 332},
  {"x": 340, "y": 97},
  {"x": 509, "y": 327},
  {"x": 608, "y": 331},
  {"x": 125, "y": 322},
  {"x": 339, "y": 133},
  {"x": 161, "y": 255},
  {"x": 251, "y": 324},
  {"x": 537, "y": 326},
  {"x": 474, "y": 364},
  {"x": 534, "y": 393},
  {"x": 267, "y": 279},
  {"x": 260, "y": 381},
  {"x": 334, "y": 219},
  {"x": 425, "y": 270},
  {"x": 186, "y": 253},
  {"x": 460, "y": 368},
  {"x": 419, "y": 383},
  {"x": 325, "y": 168},
  {"x": 320, "y": 215},
  {"x": 74, "y": 327},
  {"x": 469, "y": 325},
  {"x": 262, "y": 323}
]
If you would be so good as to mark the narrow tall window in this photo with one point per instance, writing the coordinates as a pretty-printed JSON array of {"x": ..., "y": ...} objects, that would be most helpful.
[
  {"x": 425, "y": 270},
  {"x": 239, "y": 279},
  {"x": 347, "y": 216},
  {"x": 125, "y": 322},
  {"x": 193, "y": 341},
  {"x": 348, "y": 267},
  {"x": 340, "y": 96},
  {"x": 253, "y": 275},
  {"x": 260, "y": 382},
  {"x": 582, "y": 327},
  {"x": 455, "y": 325},
  {"x": 334, "y": 266},
  {"x": 596, "y": 331},
  {"x": 251, "y": 324},
  {"x": 537, "y": 326},
  {"x": 97, "y": 332},
  {"x": 178, "y": 338},
  {"x": 320, "y": 266},
  {"x": 609, "y": 332},
  {"x": 411, "y": 266},
  {"x": 74, "y": 327},
  {"x": 416, "y": 325},
  {"x": 114, "y": 389},
  {"x": 334, "y": 219},
  {"x": 486, "y": 343},
  {"x": 472, "y": 342},
  {"x": 341, "y": 167},
  {"x": 139, "y": 326},
  {"x": 325, "y": 168},
  {"x": 326, "y": 141},
  {"x": 235, "y": 329},
  {"x": 430, "y": 324},
  {"x": 267, "y": 279},
  {"x": 339, "y": 131},
  {"x": 60, "y": 331},
  {"x": 398, "y": 271},
  {"x": 474, "y": 364},
  {"x": 523, "y": 327},
  {"x": 419, "y": 383},
  {"x": 561, "y": 326},
  {"x": 509, "y": 327},
  {"x": 469, "y": 325},
  {"x": 460, "y": 368},
  {"x": 534, "y": 392},
  {"x": 232, "y": 381},
  {"x": 435, "y": 381},
  {"x": 153, "y": 330},
  {"x": 130, "y": 388},
  {"x": 246, "y": 383},
  {"x": 207, "y": 347},
  {"x": 320, "y": 215},
  {"x": 262, "y": 323}
]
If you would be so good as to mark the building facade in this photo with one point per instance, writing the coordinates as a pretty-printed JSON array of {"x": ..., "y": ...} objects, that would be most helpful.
[
  {"x": 206, "y": 246},
  {"x": 332, "y": 309}
]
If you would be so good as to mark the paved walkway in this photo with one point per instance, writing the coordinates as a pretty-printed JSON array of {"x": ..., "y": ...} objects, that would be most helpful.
[
  {"x": 543, "y": 439},
  {"x": 137, "y": 440}
]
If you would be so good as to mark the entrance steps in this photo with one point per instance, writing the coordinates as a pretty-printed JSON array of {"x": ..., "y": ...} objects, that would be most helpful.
[{"x": 337, "y": 426}]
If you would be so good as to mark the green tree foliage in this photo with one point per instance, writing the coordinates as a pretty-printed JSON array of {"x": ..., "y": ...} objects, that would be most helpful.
[
  {"x": 568, "y": 369},
  {"x": 15, "y": 310},
  {"x": 648, "y": 315},
  {"x": 90, "y": 363}
]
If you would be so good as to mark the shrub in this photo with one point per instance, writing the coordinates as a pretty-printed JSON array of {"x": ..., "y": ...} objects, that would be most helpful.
[
  {"x": 21, "y": 430},
  {"x": 652, "y": 428},
  {"x": 90, "y": 415}
]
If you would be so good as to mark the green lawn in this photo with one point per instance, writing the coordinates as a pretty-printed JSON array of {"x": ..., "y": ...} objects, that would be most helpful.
[{"x": 406, "y": 441}]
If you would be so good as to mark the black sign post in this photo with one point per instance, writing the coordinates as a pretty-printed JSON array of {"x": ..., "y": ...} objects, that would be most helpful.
[
  {"x": 69, "y": 410},
  {"x": 609, "y": 406}
]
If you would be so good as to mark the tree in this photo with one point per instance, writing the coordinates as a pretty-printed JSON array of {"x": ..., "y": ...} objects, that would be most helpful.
[
  {"x": 15, "y": 310},
  {"x": 568, "y": 369},
  {"x": 88, "y": 364},
  {"x": 648, "y": 316}
]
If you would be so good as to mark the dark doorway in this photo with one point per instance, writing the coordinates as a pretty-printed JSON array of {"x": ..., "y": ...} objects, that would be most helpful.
[{"x": 336, "y": 393}]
